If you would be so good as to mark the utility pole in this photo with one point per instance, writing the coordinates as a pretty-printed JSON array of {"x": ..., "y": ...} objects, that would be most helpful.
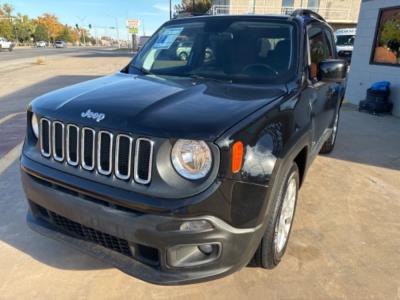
[
  {"x": 170, "y": 9},
  {"x": 254, "y": 7},
  {"x": 192, "y": 6},
  {"x": 117, "y": 30},
  {"x": 82, "y": 29}
]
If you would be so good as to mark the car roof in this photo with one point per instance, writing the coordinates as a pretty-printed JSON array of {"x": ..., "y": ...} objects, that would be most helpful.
[{"x": 304, "y": 16}]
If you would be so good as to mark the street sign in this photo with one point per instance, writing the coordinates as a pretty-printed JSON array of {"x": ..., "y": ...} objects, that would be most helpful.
[
  {"x": 133, "y": 23},
  {"x": 133, "y": 30}
]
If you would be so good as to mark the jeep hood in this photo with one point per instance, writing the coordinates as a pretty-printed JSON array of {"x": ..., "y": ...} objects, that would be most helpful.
[{"x": 154, "y": 106}]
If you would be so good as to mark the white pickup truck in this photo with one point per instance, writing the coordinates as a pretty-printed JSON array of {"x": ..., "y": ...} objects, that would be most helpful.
[{"x": 4, "y": 44}]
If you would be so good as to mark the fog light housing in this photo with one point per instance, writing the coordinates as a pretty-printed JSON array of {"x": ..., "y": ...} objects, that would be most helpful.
[{"x": 182, "y": 256}]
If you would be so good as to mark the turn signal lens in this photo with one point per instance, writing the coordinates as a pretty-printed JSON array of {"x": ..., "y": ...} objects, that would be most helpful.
[{"x": 237, "y": 156}]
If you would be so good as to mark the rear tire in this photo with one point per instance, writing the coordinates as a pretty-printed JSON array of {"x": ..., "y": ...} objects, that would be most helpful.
[{"x": 274, "y": 242}]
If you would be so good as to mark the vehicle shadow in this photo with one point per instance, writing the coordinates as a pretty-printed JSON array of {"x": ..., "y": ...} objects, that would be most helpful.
[
  {"x": 15, "y": 232},
  {"x": 13, "y": 206},
  {"x": 368, "y": 139}
]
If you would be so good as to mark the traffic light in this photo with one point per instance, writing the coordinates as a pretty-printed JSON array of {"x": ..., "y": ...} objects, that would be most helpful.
[
  {"x": 90, "y": 26},
  {"x": 77, "y": 26}
]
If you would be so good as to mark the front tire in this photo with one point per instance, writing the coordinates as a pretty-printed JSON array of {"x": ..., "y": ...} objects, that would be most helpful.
[
  {"x": 274, "y": 242},
  {"x": 328, "y": 146}
]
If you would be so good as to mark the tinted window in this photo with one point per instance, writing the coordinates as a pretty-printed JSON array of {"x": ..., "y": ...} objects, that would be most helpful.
[
  {"x": 319, "y": 49},
  {"x": 223, "y": 48},
  {"x": 345, "y": 40}
]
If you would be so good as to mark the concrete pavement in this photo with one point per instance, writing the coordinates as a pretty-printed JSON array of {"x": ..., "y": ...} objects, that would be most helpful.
[{"x": 345, "y": 242}]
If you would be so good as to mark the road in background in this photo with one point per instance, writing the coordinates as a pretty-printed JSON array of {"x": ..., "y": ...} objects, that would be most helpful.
[{"x": 23, "y": 53}]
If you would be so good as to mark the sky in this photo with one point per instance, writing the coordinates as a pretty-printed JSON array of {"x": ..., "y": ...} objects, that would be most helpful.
[{"x": 100, "y": 13}]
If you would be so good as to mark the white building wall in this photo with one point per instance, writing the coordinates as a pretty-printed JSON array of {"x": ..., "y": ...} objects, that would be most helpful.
[{"x": 362, "y": 73}]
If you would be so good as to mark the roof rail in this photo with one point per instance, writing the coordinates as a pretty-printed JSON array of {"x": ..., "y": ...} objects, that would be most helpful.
[
  {"x": 180, "y": 15},
  {"x": 307, "y": 12}
]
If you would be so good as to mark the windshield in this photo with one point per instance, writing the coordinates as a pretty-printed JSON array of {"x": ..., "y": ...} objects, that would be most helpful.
[
  {"x": 223, "y": 48},
  {"x": 345, "y": 40}
]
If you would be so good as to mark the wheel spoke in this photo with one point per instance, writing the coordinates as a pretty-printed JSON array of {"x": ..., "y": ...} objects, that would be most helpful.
[{"x": 286, "y": 216}]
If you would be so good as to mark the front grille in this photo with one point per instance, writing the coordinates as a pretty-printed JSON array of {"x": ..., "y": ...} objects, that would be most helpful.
[
  {"x": 58, "y": 141},
  {"x": 123, "y": 160},
  {"x": 91, "y": 235},
  {"x": 88, "y": 148},
  {"x": 144, "y": 151},
  {"x": 45, "y": 137},
  {"x": 121, "y": 155},
  {"x": 72, "y": 145}
]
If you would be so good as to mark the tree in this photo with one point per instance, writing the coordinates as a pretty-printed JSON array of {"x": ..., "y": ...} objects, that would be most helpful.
[
  {"x": 40, "y": 33},
  {"x": 6, "y": 27},
  {"x": 200, "y": 6},
  {"x": 65, "y": 34},
  {"x": 52, "y": 25},
  {"x": 6, "y": 10},
  {"x": 24, "y": 28}
]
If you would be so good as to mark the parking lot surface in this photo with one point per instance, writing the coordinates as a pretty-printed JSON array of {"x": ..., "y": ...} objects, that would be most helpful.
[{"x": 345, "y": 242}]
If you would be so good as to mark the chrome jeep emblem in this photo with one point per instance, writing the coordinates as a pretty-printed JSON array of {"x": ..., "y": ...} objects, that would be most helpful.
[{"x": 93, "y": 115}]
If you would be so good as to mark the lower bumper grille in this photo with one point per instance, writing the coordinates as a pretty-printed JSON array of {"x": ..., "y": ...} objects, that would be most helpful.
[
  {"x": 145, "y": 254},
  {"x": 92, "y": 235}
]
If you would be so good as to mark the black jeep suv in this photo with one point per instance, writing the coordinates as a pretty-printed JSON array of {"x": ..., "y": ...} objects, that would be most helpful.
[{"x": 175, "y": 170}]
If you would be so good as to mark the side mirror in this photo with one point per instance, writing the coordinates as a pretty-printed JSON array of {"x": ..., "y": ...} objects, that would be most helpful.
[{"x": 332, "y": 70}]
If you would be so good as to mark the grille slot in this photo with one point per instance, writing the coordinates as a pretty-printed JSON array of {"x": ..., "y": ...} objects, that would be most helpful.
[
  {"x": 87, "y": 147},
  {"x": 143, "y": 160},
  {"x": 104, "y": 152},
  {"x": 72, "y": 145},
  {"x": 58, "y": 141},
  {"x": 101, "y": 151},
  {"x": 45, "y": 129},
  {"x": 123, "y": 157}
]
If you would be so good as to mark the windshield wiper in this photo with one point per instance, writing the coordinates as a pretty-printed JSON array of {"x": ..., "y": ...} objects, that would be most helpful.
[
  {"x": 143, "y": 70},
  {"x": 202, "y": 77}
]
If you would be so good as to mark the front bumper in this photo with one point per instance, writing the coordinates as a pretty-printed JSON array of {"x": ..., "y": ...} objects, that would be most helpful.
[{"x": 95, "y": 228}]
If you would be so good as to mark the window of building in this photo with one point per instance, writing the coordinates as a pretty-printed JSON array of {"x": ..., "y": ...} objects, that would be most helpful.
[
  {"x": 313, "y": 4},
  {"x": 386, "y": 48},
  {"x": 287, "y": 3}
]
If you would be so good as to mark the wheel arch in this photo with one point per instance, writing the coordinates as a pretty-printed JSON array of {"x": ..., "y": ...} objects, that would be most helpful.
[{"x": 301, "y": 162}]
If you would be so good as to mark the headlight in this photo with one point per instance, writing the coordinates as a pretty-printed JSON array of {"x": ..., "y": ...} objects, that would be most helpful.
[
  {"x": 35, "y": 125},
  {"x": 191, "y": 159}
]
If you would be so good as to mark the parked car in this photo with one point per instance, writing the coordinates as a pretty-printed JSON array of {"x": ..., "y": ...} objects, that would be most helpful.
[
  {"x": 178, "y": 172},
  {"x": 41, "y": 44},
  {"x": 60, "y": 44},
  {"x": 184, "y": 49},
  {"x": 345, "y": 42},
  {"x": 5, "y": 44}
]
